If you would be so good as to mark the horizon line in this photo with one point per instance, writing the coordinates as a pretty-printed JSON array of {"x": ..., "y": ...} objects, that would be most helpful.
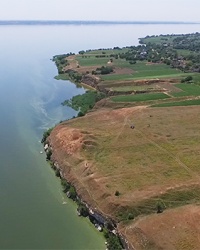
[{"x": 79, "y": 22}]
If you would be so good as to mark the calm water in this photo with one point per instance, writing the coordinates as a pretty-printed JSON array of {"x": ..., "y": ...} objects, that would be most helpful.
[{"x": 32, "y": 213}]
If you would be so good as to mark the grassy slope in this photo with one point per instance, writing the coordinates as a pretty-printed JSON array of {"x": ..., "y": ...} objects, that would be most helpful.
[{"x": 156, "y": 156}]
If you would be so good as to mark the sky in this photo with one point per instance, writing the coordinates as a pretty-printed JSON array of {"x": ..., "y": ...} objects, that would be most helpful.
[{"x": 104, "y": 10}]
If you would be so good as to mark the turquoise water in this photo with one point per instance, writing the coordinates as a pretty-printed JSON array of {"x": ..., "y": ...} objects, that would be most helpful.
[{"x": 32, "y": 213}]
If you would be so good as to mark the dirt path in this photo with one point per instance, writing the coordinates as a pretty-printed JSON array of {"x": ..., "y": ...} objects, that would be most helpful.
[{"x": 127, "y": 121}]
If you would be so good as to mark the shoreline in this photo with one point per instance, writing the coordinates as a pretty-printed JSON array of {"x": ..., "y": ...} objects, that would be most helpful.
[{"x": 101, "y": 222}]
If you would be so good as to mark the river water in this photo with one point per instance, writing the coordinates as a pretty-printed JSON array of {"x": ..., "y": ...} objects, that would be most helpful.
[{"x": 34, "y": 213}]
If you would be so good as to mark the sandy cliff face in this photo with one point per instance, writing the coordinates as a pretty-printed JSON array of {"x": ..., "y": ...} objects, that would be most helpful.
[{"x": 67, "y": 144}]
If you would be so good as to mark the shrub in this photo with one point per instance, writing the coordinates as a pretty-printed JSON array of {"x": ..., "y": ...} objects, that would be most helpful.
[
  {"x": 72, "y": 192},
  {"x": 83, "y": 210},
  {"x": 160, "y": 206},
  {"x": 130, "y": 216},
  {"x": 57, "y": 172},
  {"x": 187, "y": 79},
  {"x": 48, "y": 154},
  {"x": 66, "y": 185},
  {"x": 46, "y": 134},
  {"x": 117, "y": 193}
]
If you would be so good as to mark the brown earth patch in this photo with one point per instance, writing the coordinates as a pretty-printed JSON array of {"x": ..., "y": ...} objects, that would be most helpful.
[
  {"x": 175, "y": 229},
  {"x": 122, "y": 71}
]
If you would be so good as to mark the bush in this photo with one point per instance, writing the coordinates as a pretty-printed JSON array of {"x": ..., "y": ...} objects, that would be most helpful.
[
  {"x": 57, "y": 172},
  {"x": 114, "y": 242},
  {"x": 105, "y": 70},
  {"x": 117, "y": 193},
  {"x": 66, "y": 185},
  {"x": 48, "y": 154},
  {"x": 187, "y": 79},
  {"x": 46, "y": 134},
  {"x": 83, "y": 210},
  {"x": 130, "y": 216},
  {"x": 72, "y": 192},
  {"x": 81, "y": 52},
  {"x": 160, "y": 206}
]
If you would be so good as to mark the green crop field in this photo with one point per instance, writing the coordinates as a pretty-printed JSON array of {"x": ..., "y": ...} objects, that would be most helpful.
[
  {"x": 92, "y": 61},
  {"x": 139, "y": 97},
  {"x": 181, "y": 103},
  {"x": 187, "y": 90}
]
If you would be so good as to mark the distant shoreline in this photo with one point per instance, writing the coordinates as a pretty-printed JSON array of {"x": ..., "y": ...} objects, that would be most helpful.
[{"x": 79, "y": 22}]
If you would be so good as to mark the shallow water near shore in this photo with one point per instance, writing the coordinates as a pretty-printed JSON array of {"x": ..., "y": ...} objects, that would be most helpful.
[{"x": 34, "y": 212}]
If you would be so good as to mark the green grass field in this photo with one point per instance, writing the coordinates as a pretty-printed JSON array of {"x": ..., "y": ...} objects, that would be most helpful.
[
  {"x": 181, "y": 103},
  {"x": 139, "y": 97},
  {"x": 92, "y": 61},
  {"x": 62, "y": 77},
  {"x": 187, "y": 90}
]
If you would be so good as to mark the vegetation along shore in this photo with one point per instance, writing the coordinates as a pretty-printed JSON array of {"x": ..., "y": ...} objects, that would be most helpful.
[{"x": 130, "y": 159}]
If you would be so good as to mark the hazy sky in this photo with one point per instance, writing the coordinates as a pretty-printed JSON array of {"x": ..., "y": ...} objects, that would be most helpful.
[{"x": 119, "y": 10}]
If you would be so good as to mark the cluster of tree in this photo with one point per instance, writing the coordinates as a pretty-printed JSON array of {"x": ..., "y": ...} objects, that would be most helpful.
[
  {"x": 102, "y": 56},
  {"x": 116, "y": 56},
  {"x": 74, "y": 75},
  {"x": 83, "y": 210},
  {"x": 113, "y": 241},
  {"x": 61, "y": 61},
  {"x": 81, "y": 52},
  {"x": 63, "y": 56},
  {"x": 188, "y": 42},
  {"x": 85, "y": 102},
  {"x": 187, "y": 79},
  {"x": 103, "y": 70}
]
